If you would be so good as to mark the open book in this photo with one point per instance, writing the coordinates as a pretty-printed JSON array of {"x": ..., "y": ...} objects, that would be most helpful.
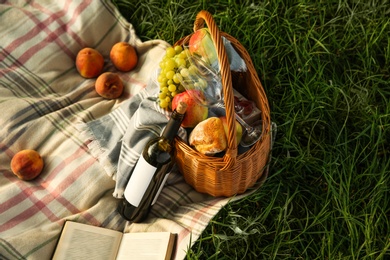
[{"x": 81, "y": 241}]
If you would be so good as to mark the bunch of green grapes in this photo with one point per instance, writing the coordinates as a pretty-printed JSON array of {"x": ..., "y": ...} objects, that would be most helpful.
[{"x": 171, "y": 74}]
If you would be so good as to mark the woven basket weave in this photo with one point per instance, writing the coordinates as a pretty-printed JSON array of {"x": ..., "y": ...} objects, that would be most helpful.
[{"x": 231, "y": 174}]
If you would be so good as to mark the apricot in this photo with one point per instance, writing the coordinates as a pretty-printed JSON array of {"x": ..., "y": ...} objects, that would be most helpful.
[
  {"x": 109, "y": 85},
  {"x": 27, "y": 164},
  {"x": 123, "y": 56},
  {"x": 89, "y": 63}
]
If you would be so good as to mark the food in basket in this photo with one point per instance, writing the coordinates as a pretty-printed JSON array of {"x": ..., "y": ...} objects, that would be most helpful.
[
  {"x": 89, "y": 62},
  {"x": 109, "y": 85},
  {"x": 202, "y": 44},
  {"x": 27, "y": 164},
  {"x": 169, "y": 77},
  {"x": 208, "y": 137},
  {"x": 243, "y": 107},
  {"x": 124, "y": 56},
  {"x": 246, "y": 108},
  {"x": 195, "y": 113},
  {"x": 238, "y": 128}
]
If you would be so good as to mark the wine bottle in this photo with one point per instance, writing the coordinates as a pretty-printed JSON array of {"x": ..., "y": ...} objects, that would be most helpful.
[{"x": 151, "y": 171}]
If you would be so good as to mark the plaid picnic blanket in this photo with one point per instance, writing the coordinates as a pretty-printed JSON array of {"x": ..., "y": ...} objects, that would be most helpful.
[{"x": 47, "y": 106}]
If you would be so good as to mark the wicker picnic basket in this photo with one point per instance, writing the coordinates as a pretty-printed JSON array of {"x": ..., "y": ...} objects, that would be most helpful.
[{"x": 233, "y": 173}]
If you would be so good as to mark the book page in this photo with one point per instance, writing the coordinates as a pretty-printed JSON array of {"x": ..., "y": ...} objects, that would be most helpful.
[
  {"x": 81, "y": 241},
  {"x": 149, "y": 245}
]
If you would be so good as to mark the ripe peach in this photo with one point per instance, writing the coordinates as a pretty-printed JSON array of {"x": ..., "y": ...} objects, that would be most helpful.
[
  {"x": 123, "y": 56},
  {"x": 89, "y": 63},
  {"x": 27, "y": 164},
  {"x": 109, "y": 85}
]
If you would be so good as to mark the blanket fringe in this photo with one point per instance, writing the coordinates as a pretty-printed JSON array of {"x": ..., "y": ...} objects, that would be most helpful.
[{"x": 96, "y": 150}]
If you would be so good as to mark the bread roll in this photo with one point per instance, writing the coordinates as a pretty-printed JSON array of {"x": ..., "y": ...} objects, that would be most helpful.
[{"x": 208, "y": 137}]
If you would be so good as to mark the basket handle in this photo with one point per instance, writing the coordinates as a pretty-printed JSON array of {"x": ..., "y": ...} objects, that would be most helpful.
[{"x": 226, "y": 78}]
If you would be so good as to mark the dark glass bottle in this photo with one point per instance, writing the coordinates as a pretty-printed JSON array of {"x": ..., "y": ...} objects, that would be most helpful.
[{"x": 151, "y": 171}]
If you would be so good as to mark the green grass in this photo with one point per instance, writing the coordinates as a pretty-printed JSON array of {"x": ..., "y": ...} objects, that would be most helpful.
[{"x": 325, "y": 66}]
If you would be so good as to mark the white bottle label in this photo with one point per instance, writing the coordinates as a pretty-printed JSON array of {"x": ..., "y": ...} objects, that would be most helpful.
[{"x": 139, "y": 181}]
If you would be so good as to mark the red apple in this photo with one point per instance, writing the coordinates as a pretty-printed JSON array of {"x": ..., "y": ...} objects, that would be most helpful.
[
  {"x": 202, "y": 44},
  {"x": 238, "y": 129},
  {"x": 195, "y": 112}
]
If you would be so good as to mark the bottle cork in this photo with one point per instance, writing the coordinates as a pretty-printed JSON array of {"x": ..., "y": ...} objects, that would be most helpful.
[{"x": 181, "y": 107}]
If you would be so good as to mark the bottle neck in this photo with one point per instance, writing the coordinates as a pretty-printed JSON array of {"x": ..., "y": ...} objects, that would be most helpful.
[{"x": 172, "y": 127}]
